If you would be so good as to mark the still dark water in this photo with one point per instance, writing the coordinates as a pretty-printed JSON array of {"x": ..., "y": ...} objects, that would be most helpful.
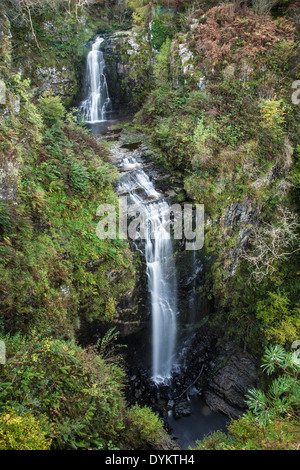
[
  {"x": 186, "y": 429},
  {"x": 201, "y": 422},
  {"x": 99, "y": 129}
]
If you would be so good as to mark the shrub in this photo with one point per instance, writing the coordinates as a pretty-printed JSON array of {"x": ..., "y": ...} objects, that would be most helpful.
[
  {"x": 74, "y": 388},
  {"x": 272, "y": 118},
  {"x": 162, "y": 66},
  {"x": 22, "y": 431},
  {"x": 51, "y": 108},
  {"x": 279, "y": 320},
  {"x": 73, "y": 393},
  {"x": 146, "y": 428},
  {"x": 162, "y": 29}
]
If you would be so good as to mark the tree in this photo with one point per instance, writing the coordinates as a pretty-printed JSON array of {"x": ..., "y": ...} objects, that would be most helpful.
[{"x": 273, "y": 242}]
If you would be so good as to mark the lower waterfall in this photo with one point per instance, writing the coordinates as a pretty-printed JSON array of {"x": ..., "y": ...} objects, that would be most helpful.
[
  {"x": 163, "y": 360},
  {"x": 160, "y": 265}
]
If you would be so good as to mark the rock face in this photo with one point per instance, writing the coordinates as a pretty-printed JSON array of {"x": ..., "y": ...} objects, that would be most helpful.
[
  {"x": 233, "y": 374},
  {"x": 117, "y": 50},
  {"x": 9, "y": 173},
  {"x": 218, "y": 371},
  {"x": 61, "y": 81},
  {"x": 245, "y": 216}
]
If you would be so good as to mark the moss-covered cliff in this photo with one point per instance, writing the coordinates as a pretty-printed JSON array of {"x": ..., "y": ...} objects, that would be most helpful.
[{"x": 222, "y": 116}]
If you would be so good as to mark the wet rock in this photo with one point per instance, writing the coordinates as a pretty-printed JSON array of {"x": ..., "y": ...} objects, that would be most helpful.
[
  {"x": 217, "y": 404},
  {"x": 230, "y": 380},
  {"x": 182, "y": 409},
  {"x": 117, "y": 48},
  {"x": 131, "y": 145}
]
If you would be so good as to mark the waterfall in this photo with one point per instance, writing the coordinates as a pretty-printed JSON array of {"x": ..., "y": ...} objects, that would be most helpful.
[
  {"x": 160, "y": 266},
  {"x": 162, "y": 286},
  {"x": 97, "y": 102}
]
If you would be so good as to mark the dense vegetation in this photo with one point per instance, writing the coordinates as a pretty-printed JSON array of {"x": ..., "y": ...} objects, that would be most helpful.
[
  {"x": 221, "y": 115},
  {"x": 216, "y": 99},
  {"x": 55, "y": 274},
  {"x": 234, "y": 138}
]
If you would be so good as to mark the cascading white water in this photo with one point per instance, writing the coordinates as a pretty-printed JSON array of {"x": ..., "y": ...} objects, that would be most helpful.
[
  {"x": 162, "y": 286},
  {"x": 97, "y": 102},
  {"x": 160, "y": 266}
]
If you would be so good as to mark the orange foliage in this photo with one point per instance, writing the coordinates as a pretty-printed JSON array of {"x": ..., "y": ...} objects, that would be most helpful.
[{"x": 225, "y": 29}]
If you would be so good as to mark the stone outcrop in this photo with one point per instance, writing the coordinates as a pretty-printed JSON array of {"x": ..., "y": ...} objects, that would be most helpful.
[
  {"x": 118, "y": 48},
  {"x": 244, "y": 216},
  {"x": 233, "y": 374},
  {"x": 61, "y": 80}
]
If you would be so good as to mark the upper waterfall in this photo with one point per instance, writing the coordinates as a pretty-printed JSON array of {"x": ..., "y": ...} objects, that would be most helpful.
[{"x": 97, "y": 102}]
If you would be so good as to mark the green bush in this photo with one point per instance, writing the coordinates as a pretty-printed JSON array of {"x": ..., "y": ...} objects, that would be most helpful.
[
  {"x": 22, "y": 431},
  {"x": 51, "y": 108},
  {"x": 75, "y": 388},
  {"x": 77, "y": 392},
  {"x": 272, "y": 125},
  {"x": 161, "y": 68},
  {"x": 280, "y": 320},
  {"x": 162, "y": 29},
  {"x": 146, "y": 429}
]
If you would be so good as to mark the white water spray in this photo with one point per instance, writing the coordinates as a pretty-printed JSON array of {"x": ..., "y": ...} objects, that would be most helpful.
[
  {"x": 97, "y": 102},
  {"x": 160, "y": 266}
]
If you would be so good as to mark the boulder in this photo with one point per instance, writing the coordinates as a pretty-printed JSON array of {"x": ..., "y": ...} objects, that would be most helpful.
[{"x": 182, "y": 409}]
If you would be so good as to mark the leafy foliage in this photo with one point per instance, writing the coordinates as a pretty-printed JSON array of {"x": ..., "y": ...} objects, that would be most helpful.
[
  {"x": 23, "y": 431},
  {"x": 147, "y": 428},
  {"x": 51, "y": 108},
  {"x": 50, "y": 234},
  {"x": 273, "y": 417},
  {"x": 76, "y": 391},
  {"x": 162, "y": 28}
]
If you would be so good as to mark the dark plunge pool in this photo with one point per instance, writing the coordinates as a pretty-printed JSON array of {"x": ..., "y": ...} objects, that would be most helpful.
[
  {"x": 201, "y": 422},
  {"x": 186, "y": 430}
]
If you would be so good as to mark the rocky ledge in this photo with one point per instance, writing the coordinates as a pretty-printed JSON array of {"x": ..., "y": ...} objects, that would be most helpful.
[
  {"x": 217, "y": 371},
  {"x": 233, "y": 374}
]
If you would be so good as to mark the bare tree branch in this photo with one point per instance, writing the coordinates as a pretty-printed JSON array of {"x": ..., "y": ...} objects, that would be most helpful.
[{"x": 273, "y": 242}]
